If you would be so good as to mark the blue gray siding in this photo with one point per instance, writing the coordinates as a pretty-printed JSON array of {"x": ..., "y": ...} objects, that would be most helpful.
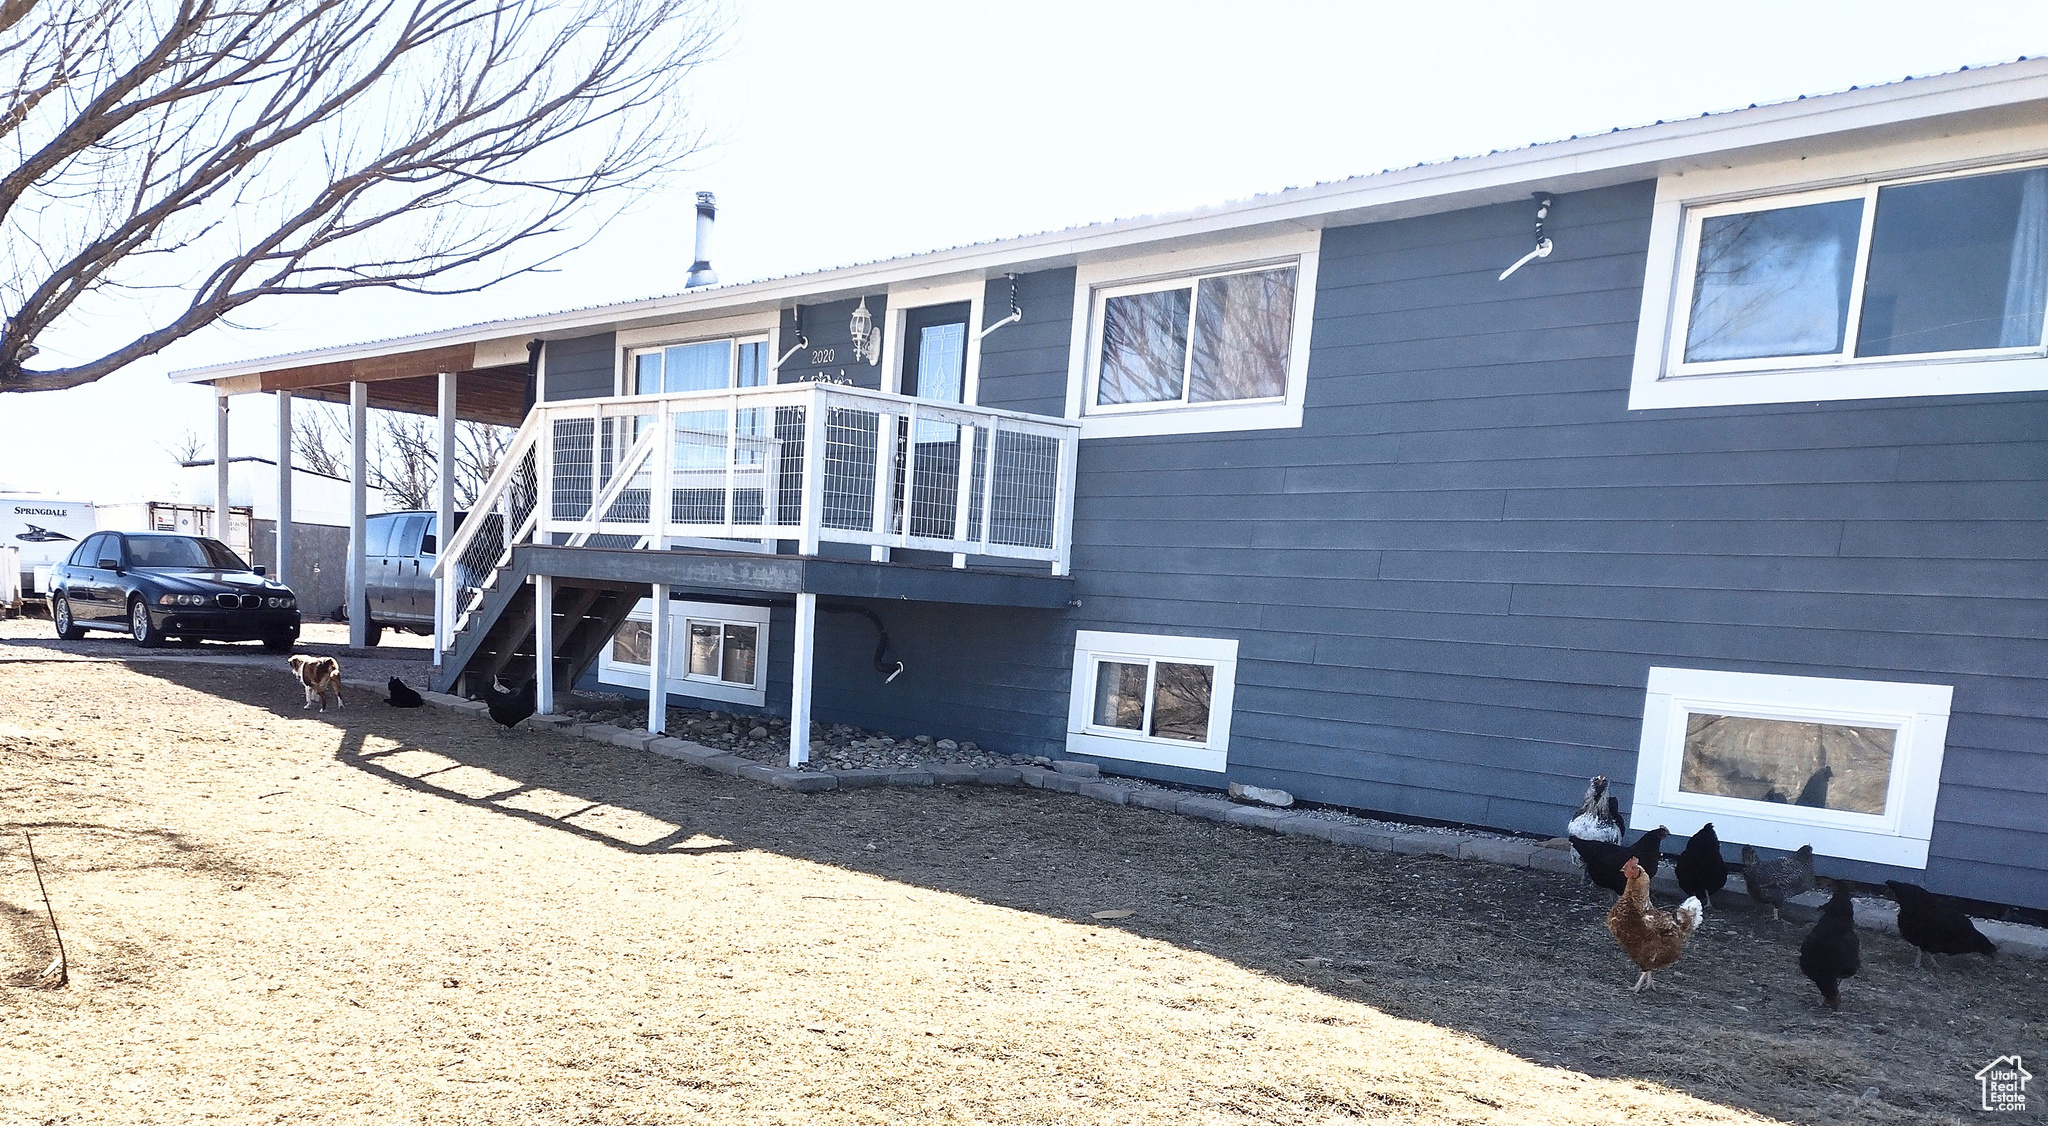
[
  {"x": 581, "y": 368},
  {"x": 1450, "y": 583}
]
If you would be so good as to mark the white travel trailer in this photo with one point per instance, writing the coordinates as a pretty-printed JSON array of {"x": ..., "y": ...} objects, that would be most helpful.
[{"x": 45, "y": 530}]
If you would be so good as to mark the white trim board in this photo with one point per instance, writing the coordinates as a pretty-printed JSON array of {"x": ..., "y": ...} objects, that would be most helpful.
[
  {"x": 1084, "y": 738},
  {"x": 1899, "y": 836},
  {"x": 1925, "y": 105}
]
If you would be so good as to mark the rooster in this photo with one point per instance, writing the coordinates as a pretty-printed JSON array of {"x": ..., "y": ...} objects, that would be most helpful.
[
  {"x": 1599, "y": 816},
  {"x": 1651, "y": 938}
]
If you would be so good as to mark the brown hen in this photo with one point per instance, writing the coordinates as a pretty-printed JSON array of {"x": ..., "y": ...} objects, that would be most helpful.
[{"x": 1652, "y": 938}]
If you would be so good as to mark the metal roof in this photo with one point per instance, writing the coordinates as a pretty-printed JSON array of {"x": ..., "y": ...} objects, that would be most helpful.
[{"x": 1572, "y": 163}]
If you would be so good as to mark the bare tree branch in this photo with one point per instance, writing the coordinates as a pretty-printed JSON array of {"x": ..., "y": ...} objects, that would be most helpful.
[{"x": 227, "y": 151}]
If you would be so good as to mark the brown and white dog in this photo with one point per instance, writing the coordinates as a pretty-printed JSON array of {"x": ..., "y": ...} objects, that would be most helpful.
[{"x": 320, "y": 677}]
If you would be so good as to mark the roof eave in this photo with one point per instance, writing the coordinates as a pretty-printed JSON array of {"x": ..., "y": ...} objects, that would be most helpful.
[{"x": 1579, "y": 162}]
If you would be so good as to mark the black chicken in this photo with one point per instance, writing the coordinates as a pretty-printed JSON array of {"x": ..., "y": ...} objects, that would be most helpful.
[
  {"x": 1934, "y": 925},
  {"x": 1604, "y": 861},
  {"x": 1832, "y": 952},
  {"x": 512, "y": 708},
  {"x": 1700, "y": 870},
  {"x": 401, "y": 695}
]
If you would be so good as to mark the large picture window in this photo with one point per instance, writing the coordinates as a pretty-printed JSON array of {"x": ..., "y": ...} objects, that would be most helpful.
[
  {"x": 1848, "y": 766},
  {"x": 1934, "y": 284},
  {"x": 1150, "y": 698},
  {"x": 716, "y": 651}
]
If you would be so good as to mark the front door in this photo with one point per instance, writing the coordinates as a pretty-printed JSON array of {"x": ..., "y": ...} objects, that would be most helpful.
[{"x": 935, "y": 370}]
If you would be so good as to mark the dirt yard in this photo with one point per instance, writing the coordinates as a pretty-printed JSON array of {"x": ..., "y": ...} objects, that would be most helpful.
[{"x": 401, "y": 917}]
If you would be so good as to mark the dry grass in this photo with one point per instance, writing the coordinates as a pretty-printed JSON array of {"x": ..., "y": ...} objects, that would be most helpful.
[{"x": 397, "y": 917}]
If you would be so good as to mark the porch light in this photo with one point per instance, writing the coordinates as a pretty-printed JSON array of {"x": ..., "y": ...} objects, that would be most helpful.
[{"x": 867, "y": 343}]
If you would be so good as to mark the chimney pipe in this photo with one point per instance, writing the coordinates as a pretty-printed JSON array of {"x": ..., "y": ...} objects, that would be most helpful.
[{"x": 700, "y": 270}]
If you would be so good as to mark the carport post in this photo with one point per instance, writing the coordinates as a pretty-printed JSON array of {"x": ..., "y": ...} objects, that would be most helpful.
[
  {"x": 544, "y": 644},
  {"x": 284, "y": 487},
  {"x": 657, "y": 662},
  {"x": 800, "y": 679},
  {"x": 444, "y": 513},
  {"x": 358, "y": 501},
  {"x": 220, "y": 471}
]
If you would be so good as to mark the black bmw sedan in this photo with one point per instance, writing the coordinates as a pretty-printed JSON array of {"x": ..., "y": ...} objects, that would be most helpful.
[{"x": 155, "y": 586}]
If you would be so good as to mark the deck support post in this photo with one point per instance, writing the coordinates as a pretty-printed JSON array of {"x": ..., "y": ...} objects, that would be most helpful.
[
  {"x": 801, "y": 670},
  {"x": 659, "y": 644},
  {"x": 220, "y": 472},
  {"x": 444, "y": 509},
  {"x": 358, "y": 503},
  {"x": 544, "y": 644},
  {"x": 284, "y": 489}
]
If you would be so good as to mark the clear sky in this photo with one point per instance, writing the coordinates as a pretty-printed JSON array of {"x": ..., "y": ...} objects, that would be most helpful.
[{"x": 847, "y": 132}]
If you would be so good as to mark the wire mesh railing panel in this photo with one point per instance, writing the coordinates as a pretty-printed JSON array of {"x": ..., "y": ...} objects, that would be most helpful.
[
  {"x": 935, "y": 488},
  {"x": 755, "y": 458},
  {"x": 788, "y": 427},
  {"x": 851, "y": 434},
  {"x": 575, "y": 481},
  {"x": 1024, "y": 502},
  {"x": 698, "y": 474}
]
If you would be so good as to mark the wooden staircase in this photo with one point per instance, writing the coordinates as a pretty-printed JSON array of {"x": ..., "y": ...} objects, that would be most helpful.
[{"x": 498, "y": 640}]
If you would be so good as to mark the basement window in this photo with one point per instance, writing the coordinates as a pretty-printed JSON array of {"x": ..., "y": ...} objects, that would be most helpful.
[
  {"x": 716, "y": 651},
  {"x": 1848, "y": 766},
  {"x": 1151, "y": 698}
]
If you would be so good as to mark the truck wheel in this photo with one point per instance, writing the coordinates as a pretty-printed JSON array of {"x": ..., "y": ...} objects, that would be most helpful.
[
  {"x": 373, "y": 632},
  {"x": 67, "y": 629}
]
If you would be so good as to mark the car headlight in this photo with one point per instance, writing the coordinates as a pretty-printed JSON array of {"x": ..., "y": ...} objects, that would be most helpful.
[
  {"x": 278, "y": 603},
  {"x": 169, "y": 600},
  {"x": 192, "y": 599}
]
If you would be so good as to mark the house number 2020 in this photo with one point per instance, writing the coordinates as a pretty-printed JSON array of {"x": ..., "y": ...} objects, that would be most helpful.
[{"x": 824, "y": 355}]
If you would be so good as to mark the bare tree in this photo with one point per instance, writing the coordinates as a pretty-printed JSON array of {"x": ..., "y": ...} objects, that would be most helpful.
[
  {"x": 402, "y": 454},
  {"x": 186, "y": 448},
  {"x": 320, "y": 444},
  {"x": 196, "y": 155}
]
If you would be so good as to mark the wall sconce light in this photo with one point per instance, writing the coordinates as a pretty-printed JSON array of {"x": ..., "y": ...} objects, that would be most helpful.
[{"x": 867, "y": 339}]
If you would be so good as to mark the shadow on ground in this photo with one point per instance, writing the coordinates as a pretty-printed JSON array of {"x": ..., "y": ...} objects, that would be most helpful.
[{"x": 1517, "y": 958}]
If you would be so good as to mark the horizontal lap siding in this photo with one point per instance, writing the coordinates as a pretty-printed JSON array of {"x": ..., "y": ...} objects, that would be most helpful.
[
  {"x": 1449, "y": 584},
  {"x": 580, "y": 368}
]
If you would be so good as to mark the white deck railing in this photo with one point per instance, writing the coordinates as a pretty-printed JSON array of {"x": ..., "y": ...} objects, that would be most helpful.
[{"x": 809, "y": 464}]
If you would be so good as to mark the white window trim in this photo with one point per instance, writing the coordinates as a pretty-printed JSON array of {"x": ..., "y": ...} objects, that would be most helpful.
[
  {"x": 1655, "y": 382},
  {"x": 627, "y": 342},
  {"x": 1899, "y": 836},
  {"x": 680, "y": 682},
  {"x": 1085, "y": 738},
  {"x": 1092, "y": 279},
  {"x": 904, "y": 298}
]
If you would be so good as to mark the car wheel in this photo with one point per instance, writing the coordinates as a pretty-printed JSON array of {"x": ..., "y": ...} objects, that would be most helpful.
[
  {"x": 280, "y": 642},
  {"x": 373, "y": 632},
  {"x": 67, "y": 629},
  {"x": 140, "y": 627},
  {"x": 189, "y": 642}
]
